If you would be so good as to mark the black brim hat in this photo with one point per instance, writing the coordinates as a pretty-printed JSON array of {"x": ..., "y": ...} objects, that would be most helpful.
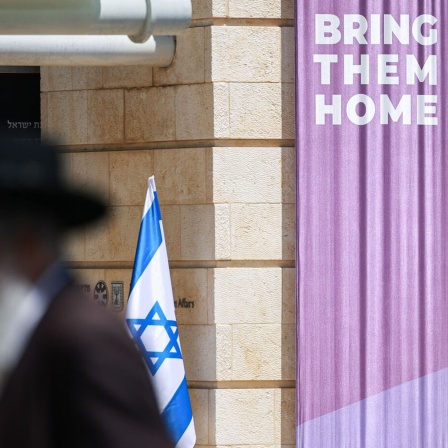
[{"x": 30, "y": 178}]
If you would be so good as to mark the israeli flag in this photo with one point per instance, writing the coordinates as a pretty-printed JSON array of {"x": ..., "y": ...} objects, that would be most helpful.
[{"x": 152, "y": 322}]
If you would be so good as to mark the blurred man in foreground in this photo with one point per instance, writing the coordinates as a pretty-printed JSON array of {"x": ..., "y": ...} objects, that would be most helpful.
[{"x": 69, "y": 374}]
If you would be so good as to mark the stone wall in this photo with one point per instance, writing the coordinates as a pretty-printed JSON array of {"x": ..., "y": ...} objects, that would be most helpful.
[{"x": 216, "y": 128}]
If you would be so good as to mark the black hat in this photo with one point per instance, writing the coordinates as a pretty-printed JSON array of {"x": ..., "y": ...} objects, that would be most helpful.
[{"x": 30, "y": 177}]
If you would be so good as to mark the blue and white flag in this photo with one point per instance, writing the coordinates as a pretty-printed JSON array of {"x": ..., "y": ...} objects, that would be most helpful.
[{"x": 151, "y": 319}]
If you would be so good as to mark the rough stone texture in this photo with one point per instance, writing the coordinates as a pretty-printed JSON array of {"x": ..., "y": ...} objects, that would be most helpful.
[
  {"x": 222, "y": 232},
  {"x": 105, "y": 109},
  {"x": 198, "y": 233},
  {"x": 114, "y": 239},
  {"x": 288, "y": 112},
  {"x": 71, "y": 78},
  {"x": 150, "y": 114},
  {"x": 288, "y": 175},
  {"x": 286, "y": 417},
  {"x": 206, "y": 9},
  {"x": 194, "y": 112},
  {"x": 207, "y": 351},
  {"x": 289, "y": 296},
  {"x": 199, "y": 399},
  {"x": 129, "y": 172},
  {"x": 73, "y": 247},
  {"x": 242, "y": 417},
  {"x": 288, "y": 354},
  {"x": 252, "y": 175},
  {"x": 261, "y": 9},
  {"x": 256, "y": 350},
  {"x": 191, "y": 285},
  {"x": 247, "y": 295},
  {"x": 287, "y": 56},
  {"x": 90, "y": 170},
  {"x": 256, "y": 110},
  {"x": 67, "y": 116},
  {"x": 180, "y": 175},
  {"x": 257, "y": 60},
  {"x": 171, "y": 226},
  {"x": 188, "y": 66},
  {"x": 127, "y": 76},
  {"x": 256, "y": 231},
  {"x": 221, "y": 107}
]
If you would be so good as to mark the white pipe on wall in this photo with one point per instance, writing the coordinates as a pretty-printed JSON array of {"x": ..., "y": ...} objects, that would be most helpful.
[
  {"x": 85, "y": 50},
  {"x": 137, "y": 18}
]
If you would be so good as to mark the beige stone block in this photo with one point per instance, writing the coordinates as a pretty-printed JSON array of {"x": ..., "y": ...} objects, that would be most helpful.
[
  {"x": 55, "y": 79},
  {"x": 256, "y": 231},
  {"x": 256, "y": 110},
  {"x": 288, "y": 54},
  {"x": 288, "y": 352},
  {"x": 197, "y": 232},
  {"x": 199, "y": 399},
  {"x": 66, "y": 167},
  {"x": 207, "y": 9},
  {"x": 220, "y": 8},
  {"x": 242, "y": 416},
  {"x": 289, "y": 231},
  {"x": 115, "y": 239},
  {"x": 44, "y": 115},
  {"x": 124, "y": 228},
  {"x": 190, "y": 290},
  {"x": 73, "y": 245},
  {"x": 265, "y": 9},
  {"x": 118, "y": 276},
  {"x": 67, "y": 119},
  {"x": 286, "y": 423},
  {"x": 127, "y": 76},
  {"x": 224, "y": 344},
  {"x": 288, "y": 175},
  {"x": 247, "y": 295},
  {"x": 252, "y": 175},
  {"x": 246, "y": 54},
  {"x": 201, "y": 9},
  {"x": 87, "y": 78},
  {"x": 288, "y": 110},
  {"x": 171, "y": 218},
  {"x": 221, "y": 110},
  {"x": 71, "y": 78},
  {"x": 180, "y": 175},
  {"x": 106, "y": 116},
  {"x": 129, "y": 173},
  {"x": 223, "y": 249},
  {"x": 206, "y": 351},
  {"x": 90, "y": 171},
  {"x": 289, "y": 296},
  {"x": 257, "y": 352},
  {"x": 188, "y": 66},
  {"x": 150, "y": 114},
  {"x": 194, "y": 112},
  {"x": 96, "y": 241}
]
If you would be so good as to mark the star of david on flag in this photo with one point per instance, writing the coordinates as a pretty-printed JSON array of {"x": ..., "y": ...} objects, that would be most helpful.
[
  {"x": 146, "y": 331},
  {"x": 151, "y": 319}
]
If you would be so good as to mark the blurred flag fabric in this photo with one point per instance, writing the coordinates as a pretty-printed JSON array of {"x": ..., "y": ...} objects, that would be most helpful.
[{"x": 151, "y": 319}]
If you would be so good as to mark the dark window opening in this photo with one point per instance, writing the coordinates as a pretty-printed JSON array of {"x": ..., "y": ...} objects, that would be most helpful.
[{"x": 20, "y": 105}]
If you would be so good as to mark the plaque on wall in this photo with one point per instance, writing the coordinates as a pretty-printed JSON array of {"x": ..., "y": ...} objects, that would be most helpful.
[
  {"x": 100, "y": 294},
  {"x": 117, "y": 296}
]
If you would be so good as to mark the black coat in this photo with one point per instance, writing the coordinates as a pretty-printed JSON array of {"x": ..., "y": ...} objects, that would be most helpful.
[{"x": 80, "y": 383}]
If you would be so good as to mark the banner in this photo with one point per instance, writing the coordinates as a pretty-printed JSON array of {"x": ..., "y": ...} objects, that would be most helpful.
[
  {"x": 372, "y": 217},
  {"x": 151, "y": 319}
]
